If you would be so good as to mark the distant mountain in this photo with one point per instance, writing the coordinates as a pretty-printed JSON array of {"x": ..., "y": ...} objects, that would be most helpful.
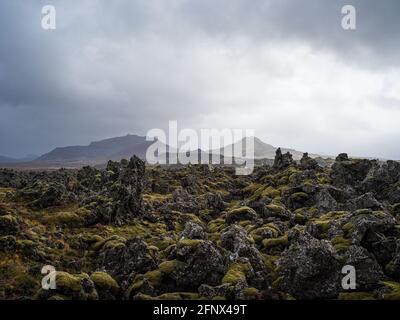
[
  {"x": 100, "y": 151},
  {"x": 262, "y": 150},
  {"x": 10, "y": 160}
]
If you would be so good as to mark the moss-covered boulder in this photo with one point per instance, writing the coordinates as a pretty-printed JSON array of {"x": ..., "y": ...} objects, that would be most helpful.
[
  {"x": 240, "y": 214},
  {"x": 69, "y": 286},
  {"x": 120, "y": 258},
  {"x": 237, "y": 272},
  {"x": 200, "y": 262},
  {"x": 106, "y": 287},
  {"x": 310, "y": 268}
]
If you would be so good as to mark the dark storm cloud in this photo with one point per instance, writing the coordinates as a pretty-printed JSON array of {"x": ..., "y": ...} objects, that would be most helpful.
[
  {"x": 127, "y": 66},
  {"x": 315, "y": 22}
]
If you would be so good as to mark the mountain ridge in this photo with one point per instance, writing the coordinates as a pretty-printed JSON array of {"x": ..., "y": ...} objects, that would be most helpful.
[
  {"x": 117, "y": 148},
  {"x": 263, "y": 150}
]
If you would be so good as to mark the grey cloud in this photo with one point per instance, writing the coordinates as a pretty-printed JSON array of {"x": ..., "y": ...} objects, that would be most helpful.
[{"x": 127, "y": 66}]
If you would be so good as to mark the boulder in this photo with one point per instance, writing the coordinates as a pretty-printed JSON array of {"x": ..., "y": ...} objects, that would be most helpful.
[
  {"x": 106, "y": 287},
  {"x": 214, "y": 201},
  {"x": 310, "y": 268},
  {"x": 200, "y": 263},
  {"x": 351, "y": 172},
  {"x": 70, "y": 287},
  {"x": 308, "y": 163},
  {"x": 368, "y": 271},
  {"x": 193, "y": 230},
  {"x": 282, "y": 161},
  {"x": 240, "y": 214},
  {"x": 120, "y": 259}
]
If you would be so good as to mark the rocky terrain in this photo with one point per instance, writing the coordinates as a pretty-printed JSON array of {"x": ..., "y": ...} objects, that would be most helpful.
[{"x": 200, "y": 232}]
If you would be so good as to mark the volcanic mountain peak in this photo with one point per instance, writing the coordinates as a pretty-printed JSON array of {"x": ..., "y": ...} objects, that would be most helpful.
[{"x": 262, "y": 149}]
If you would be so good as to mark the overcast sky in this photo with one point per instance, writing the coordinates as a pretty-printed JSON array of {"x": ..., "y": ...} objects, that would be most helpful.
[{"x": 284, "y": 68}]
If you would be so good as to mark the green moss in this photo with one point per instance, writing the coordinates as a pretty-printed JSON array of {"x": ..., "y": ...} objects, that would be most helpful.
[
  {"x": 277, "y": 209},
  {"x": 257, "y": 191},
  {"x": 4, "y": 192},
  {"x": 170, "y": 296},
  {"x": 299, "y": 218},
  {"x": 252, "y": 188},
  {"x": 284, "y": 180},
  {"x": 153, "y": 248},
  {"x": 380, "y": 214},
  {"x": 356, "y": 296},
  {"x": 168, "y": 267},
  {"x": 362, "y": 211},
  {"x": 8, "y": 220},
  {"x": 246, "y": 224},
  {"x": 185, "y": 217},
  {"x": 90, "y": 239},
  {"x": 66, "y": 282},
  {"x": 271, "y": 192},
  {"x": 236, "y": 272},
  {"x": 251, "y": 292},
  {"x": 59, "y": 297},
  {"x": 136, "y": 285},
  {"x": 321, "y": 225},
  {"x": 332, "y": 215},
  {"x": 83, "y": 213},
  {"x": 260, "y": 233},
  {"x": 219, "y": 298},
  {"x": 189, "y": 295},
  {"x": 394, "y": 290},
  {"x": 110, "y": 243},
  {"x": 178, "y": 296},
  {"x": 216, "y": 225},
  {"x": 234, "y": 204},
  {"x": 142, "y": 229},
  {"x": 299, "y": 196},
  {"x": 154, "y": 277},
  {"x": 104, "y": 281},
  {"x": 270, "y": 262},
  {"x": 396, "y": 208},
  {"x": 189, "y": 242},
  {"x": 66, "y": 219},
  {"x": 323, "y": 178},
  {"x": 313, "y": 210},
  {"x": 26, "y": 283},
  {"x": 271, "y": 243},
  {"x": 162, "y": 243},
  {"x": 5, "y": 209},
  {"x": 277, "y": 283},
  {"x": 143, "y": 297},
  {"x": 241, "y": 214},
  {"x": 27, "y": 247},
  {"x": 155, "y": 197},
  {"x": 341, "y": 244},
  {"x": 348, "y": 227}
]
